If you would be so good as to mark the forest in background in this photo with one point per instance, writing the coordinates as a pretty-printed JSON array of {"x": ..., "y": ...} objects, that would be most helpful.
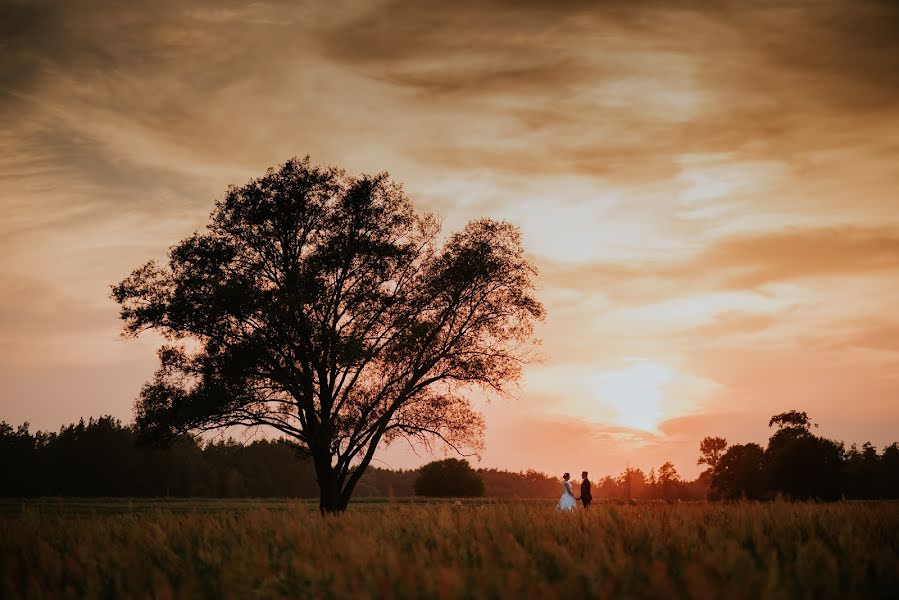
[{"x": 102, "y": 457}]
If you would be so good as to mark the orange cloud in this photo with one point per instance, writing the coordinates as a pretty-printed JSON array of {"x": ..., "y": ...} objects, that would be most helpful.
[{"x": 747, "y": 262}]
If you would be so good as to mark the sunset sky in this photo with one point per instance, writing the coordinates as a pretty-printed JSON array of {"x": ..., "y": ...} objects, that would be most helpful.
[{"x": 710, "y": 190}]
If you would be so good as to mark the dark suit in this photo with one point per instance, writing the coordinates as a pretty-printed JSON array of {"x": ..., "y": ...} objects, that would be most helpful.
[{"x": 586, "y": 496}]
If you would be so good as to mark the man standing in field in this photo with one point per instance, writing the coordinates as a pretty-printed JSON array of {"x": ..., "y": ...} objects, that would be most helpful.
[{"x": 586, "y": 495}]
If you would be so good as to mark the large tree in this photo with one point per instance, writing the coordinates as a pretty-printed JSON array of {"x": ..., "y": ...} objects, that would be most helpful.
[{"x": 322, "y": 305}]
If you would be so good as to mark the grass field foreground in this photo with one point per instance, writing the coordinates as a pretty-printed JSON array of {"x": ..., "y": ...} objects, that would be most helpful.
[{"x": 513, "y": 550}]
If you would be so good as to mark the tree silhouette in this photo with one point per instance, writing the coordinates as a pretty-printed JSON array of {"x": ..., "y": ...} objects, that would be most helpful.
[
  {"x": 449, "y": 478},
  {"x": 321, "y": 305},
  {"x": 710, "y": 451},
  {"x": 889, "y": 471},
  {"x": 740, "y": 473},
  {"x": 801, "y": 465},
  {"x": 668, "y": 480},
  {"x": 862, "y": 470},
  {"x": 792, "y": 419},
  {"x": 806, "y": 468},
  {"x": 790, "y": 425},
  {"x": 631, "y": 482},
  {"x": 99, "y": 457}
]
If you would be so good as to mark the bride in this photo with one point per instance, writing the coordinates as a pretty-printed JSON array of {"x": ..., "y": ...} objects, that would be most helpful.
[{"x": 567, "y": 503}]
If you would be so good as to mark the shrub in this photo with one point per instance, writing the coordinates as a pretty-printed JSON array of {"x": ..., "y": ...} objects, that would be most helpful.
[{"x": 449, "y": 478}]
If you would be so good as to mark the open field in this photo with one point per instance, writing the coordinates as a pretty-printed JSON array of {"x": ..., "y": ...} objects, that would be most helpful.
[{"x": 282, "y": 549}]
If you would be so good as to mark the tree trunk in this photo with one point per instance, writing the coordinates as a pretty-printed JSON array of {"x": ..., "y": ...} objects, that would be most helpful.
[
  {"x": 334, "y": 494},
  {"x": 330, "y": 499}
]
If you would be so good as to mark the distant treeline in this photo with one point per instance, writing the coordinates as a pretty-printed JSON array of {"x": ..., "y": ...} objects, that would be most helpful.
[
  {"x": 101, "y": 457},
  {"x": 797, "y": 464}
]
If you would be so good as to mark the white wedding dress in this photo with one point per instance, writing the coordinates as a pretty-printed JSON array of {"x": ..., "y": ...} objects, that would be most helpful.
[{"x": 567, "y": 502}]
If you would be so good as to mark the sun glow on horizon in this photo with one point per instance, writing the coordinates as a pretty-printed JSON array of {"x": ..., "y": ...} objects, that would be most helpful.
[{"x": 635, "y": 392}]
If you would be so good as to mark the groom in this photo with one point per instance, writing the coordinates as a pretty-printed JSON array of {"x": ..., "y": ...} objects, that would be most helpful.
[{"x": 586, "y": 496}]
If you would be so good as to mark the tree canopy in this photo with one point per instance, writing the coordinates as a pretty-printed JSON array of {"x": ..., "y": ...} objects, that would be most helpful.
[
  {"x": 322, "y": 305},
  {"x": 800, "y": 465},
  {"x": 740, "y": 473},
  {"x": 710, "y": 451}
]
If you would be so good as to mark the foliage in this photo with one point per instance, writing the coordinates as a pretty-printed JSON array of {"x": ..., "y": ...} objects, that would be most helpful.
[
  {"x": 449, "y": 478},
  {"x": 889, "y": 471},
  {"x": 806, "y": 467},
  {"x": 791, "y": 425},
  {"x": 799, "y": 464},
  {"x": 802, "y": 466},
  {"x": 862, "y": 471},
  {"x": 438, "y": 550},
  {"x": 631, "y": 481},
  {"x": 710, "y": 451},
  {"x": 99, "y": 457},
  {"x": 740, "y": 473},
  {"x": 321, "y": 305},
  {"x": 792, "y": 420},
  {"x": 526, "y": 484},
  {"x": 668, "y": 480},
  {"x": 668, "y": 474}
]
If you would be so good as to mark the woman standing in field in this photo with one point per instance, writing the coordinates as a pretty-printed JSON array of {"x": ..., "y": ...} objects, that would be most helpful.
[{"x": 567, "y": 502}]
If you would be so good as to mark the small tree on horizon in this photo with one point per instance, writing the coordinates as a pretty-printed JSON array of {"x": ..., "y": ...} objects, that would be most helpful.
[
  {"x": 668, "y": 474},
  {"x": 710, "y": 451},
  {"x": 668, "y": 479},
  {"x": 323, "y": 306},
  {"x": 631, "y": 482}
]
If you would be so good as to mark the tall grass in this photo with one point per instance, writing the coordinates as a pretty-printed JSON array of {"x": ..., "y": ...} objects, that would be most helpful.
[{"x": 517, "y": 550}]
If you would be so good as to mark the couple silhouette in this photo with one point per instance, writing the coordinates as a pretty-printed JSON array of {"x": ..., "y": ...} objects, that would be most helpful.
[{"x": 568, "y": 502}]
